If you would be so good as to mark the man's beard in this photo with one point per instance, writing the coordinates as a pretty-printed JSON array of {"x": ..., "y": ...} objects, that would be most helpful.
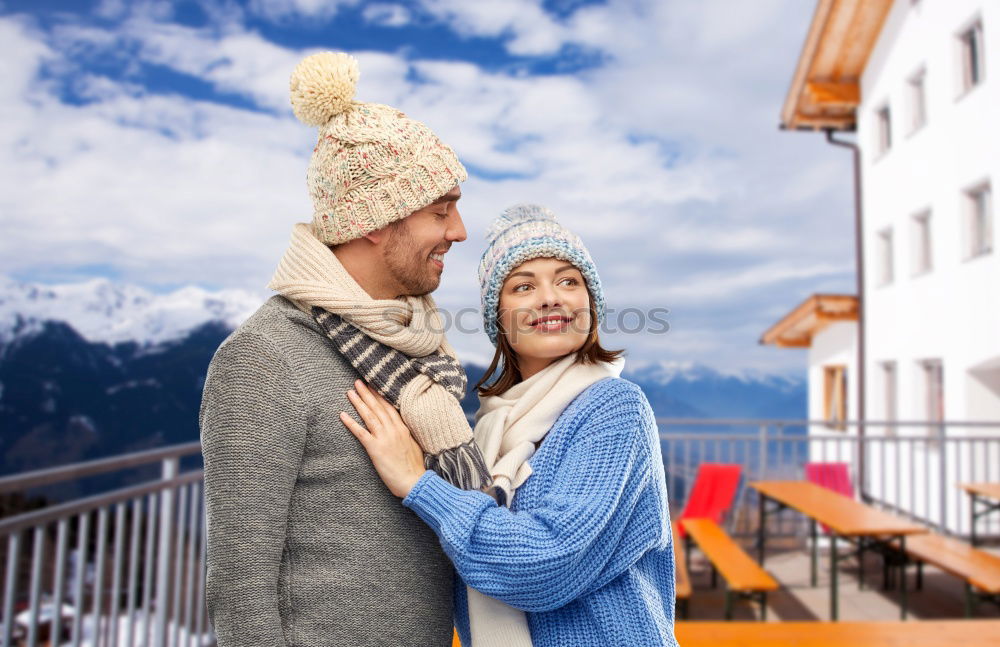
[{"x": 408, "y": 265}]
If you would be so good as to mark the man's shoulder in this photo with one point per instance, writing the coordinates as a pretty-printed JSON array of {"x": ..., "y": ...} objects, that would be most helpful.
[
  {"x": 278, "y": 331},
  {"x": 278, "y": 324}
]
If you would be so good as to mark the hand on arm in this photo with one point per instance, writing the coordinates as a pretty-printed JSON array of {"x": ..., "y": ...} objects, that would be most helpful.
[{"x": 396, "y": 456}]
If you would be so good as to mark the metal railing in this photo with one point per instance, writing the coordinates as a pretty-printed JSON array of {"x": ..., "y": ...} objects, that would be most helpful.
[
  {"x": 912, "y": 468},
  {"x": 136, "y": 574},
  {"x": 127, "y": 568}
]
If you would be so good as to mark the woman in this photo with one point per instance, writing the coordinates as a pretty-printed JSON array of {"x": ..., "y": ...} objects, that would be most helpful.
[{"x": 571, "y": 545}]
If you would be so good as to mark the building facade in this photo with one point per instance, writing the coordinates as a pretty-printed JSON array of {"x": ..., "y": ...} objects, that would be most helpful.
[
  {"x": 929, "y": 133},
  {"x": 915, "y": 81}
]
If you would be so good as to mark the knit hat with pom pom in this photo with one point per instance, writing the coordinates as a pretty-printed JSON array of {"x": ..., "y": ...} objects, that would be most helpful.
[
  {"x": 373, "y": 165},
  {"x": 521, "y": 233}
]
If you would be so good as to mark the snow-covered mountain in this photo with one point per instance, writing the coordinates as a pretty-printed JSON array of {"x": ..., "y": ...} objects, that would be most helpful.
[
  {"x": 102, "y": 311},
  {"x": 670, "y": 371},
  {"x": 687, "y": 389},
  {"x": 97, "y": 369}
]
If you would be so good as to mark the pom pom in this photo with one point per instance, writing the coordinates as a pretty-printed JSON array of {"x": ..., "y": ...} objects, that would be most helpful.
[
  {"x": 322, "y": 86},
  {"x": 517, "y": 213}
]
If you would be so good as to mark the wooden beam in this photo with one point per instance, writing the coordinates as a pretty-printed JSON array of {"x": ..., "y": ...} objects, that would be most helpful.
[
  {"x": 789, "y": 321},
  {"x": 821, "y": 122},
  {"x": 802, "y": 69},
  {"x": 830, "y": 317},
  {"x": 840, "y": 40},
  {"x": 833, "y": 95},
  {"x": 799, "y": 343}
]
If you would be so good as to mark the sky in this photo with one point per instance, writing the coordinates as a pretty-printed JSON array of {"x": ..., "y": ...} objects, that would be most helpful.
[{"x": 153, "y": 143}]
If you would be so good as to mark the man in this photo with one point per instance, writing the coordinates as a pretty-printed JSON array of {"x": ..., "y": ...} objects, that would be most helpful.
[{"x": 306, "y": 546}]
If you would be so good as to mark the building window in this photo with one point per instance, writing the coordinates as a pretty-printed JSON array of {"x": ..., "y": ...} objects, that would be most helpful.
[
  {"x": 933, "y": 377},
  {"x": 885, "y": 256},
  {"x": 970, "y": 43},
  {"x": 884, "y": 130},
  {"x": 921, "y": 237},
  {"x": 979, "y": 221},
  {"x": 918, "y": 101},
  {"x": 835, "y": 396},
  {"x": 889, "y": 396}
]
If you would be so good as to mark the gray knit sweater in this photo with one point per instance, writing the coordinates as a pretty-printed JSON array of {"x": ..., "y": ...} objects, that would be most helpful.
[{"x": 306, "y": 546}]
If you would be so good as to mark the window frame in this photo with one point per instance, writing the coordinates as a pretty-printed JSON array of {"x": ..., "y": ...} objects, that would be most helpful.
[
  {"x": 932, "y": 396},
  {"x": 883, "y": 130},
  {"x": 835, "y": 396},
  {"x": 886, "y": 256},
  {"x": 971, "y": 68},
  {"x": 890, "y": 394},
  {"x": 916, "y": 86},
  {"x": 921, "y": 243},
  {"x": 978, "y": 232}
]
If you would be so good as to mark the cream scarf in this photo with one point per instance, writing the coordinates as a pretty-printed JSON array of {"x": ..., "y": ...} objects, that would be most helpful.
[
  {"x": 507, "y": 428},
  {"x": 310, "y": 275}
]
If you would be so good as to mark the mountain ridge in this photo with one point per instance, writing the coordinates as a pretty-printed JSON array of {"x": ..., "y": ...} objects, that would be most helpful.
[{"x": 68, "y": 395}]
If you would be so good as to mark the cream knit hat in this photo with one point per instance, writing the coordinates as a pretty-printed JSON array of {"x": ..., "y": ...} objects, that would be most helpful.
[{"x": 373, "y": 165}]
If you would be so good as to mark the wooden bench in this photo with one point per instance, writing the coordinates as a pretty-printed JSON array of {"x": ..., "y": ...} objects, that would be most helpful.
[
  {"x": 980, "y": 569},
  {"x": 682, "y": 585},
  {"x": 743, "y": 575},
  {"x": 922, "y": 633}
]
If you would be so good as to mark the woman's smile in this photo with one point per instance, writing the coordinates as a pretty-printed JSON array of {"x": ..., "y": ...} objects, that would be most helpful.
[{"x": 551, "y": 323}]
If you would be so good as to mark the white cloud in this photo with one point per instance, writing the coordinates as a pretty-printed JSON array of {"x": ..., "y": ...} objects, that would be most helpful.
[
  {"x": 110, "y": 9},
  {"x": 166, "y": 189},
  {"x": 387, "y": 15},
  {"x": 240, "y": 62},
  {"x": 525, "y": 26},
  {"x": 284, "y": 10},
  {"x": 665, "y": 158},
  {"x": 712, "y": 286}
]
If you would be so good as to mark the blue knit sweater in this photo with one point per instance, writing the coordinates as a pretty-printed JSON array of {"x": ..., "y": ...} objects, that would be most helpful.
[{"x": 585, "y": 547}]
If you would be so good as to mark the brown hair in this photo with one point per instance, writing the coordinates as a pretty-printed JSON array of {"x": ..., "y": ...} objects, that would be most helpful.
[{"x": 590, "y": 353}]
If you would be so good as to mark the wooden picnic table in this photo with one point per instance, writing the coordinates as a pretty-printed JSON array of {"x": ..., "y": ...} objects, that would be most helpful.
[
  {"x": 859, "y": 524},
  {"x": 986, "y": 495},
  {"x": 922, "y": 633}
]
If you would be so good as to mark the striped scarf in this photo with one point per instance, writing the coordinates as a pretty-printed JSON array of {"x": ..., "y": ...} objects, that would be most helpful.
[
  {"x": 398, "y": 347},
  {"x": 392, "y": 374}
]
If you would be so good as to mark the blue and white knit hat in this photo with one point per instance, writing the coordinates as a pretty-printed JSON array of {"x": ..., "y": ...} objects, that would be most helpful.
[{"x": 521, "y": 233}]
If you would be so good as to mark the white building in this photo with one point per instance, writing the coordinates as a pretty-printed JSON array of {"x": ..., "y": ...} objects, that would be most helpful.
[{"x": 919, "y": 83}]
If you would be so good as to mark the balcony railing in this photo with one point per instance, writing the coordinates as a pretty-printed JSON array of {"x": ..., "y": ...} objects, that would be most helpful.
[
  {"x": 127, "y": 568},
  {"x": 910, "y": 468},
  {"x": 120, "y": 568}
]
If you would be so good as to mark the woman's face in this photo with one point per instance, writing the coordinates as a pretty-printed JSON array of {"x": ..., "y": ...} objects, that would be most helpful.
[{"x": 544, "y": 312}]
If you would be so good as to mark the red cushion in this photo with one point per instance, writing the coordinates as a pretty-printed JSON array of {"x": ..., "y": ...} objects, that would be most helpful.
[
  {"x": 712, "y": 494},
  {"x": 832, "y": 476}
]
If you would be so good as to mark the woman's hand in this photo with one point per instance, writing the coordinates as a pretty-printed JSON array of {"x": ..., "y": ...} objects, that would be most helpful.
[{"x": 397, "y": 458}]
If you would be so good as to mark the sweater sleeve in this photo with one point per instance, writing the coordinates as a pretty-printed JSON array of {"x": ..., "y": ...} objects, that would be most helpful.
[
  {"x": 253, "y": 430},
  {"x": 599, "y": 514}
]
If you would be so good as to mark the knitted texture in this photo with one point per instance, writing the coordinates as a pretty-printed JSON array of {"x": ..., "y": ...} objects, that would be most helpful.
[
  {"x": 585, "y": 547},
  {"x": 311, "y": 276},
  {"x": 522, "y": 233},
  {"x": 372, "y": 164},
  {"x": 401, "y": 380},
  {"x": 306, "y": 545},
  {"x": 509, "y": 427}
]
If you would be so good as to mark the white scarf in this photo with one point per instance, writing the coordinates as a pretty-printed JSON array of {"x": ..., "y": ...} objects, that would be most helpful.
[{"x": 507, "y": 427}]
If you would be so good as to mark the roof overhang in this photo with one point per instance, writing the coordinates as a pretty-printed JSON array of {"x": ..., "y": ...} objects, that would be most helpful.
[
  {"x": 798, "y": 327},
  {"x": 826, "y": 87}
]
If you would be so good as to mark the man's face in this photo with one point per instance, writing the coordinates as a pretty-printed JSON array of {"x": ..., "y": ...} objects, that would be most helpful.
[{"x": 415, "y": 246}]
